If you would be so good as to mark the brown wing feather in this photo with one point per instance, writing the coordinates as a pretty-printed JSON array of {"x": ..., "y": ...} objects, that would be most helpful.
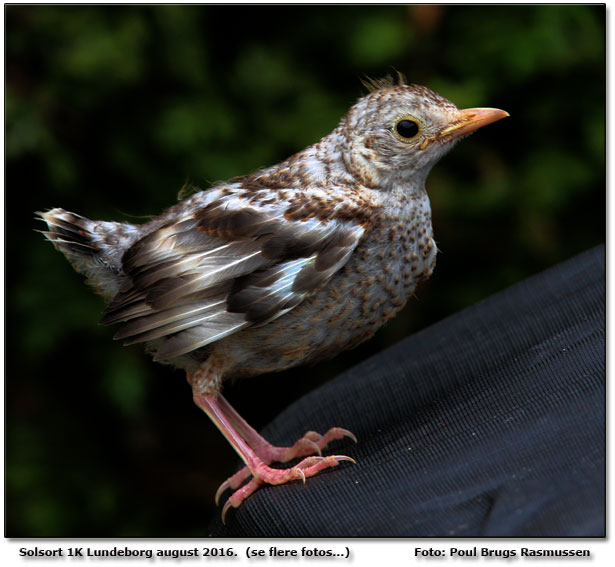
[{"x": 208, "y": 274}]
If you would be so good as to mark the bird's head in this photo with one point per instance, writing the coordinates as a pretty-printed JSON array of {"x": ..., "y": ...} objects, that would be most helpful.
[{"x": 397, "y": 133}]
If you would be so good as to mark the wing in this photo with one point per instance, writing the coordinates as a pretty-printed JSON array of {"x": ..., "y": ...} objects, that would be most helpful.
[{"x": 212, "y": 271}]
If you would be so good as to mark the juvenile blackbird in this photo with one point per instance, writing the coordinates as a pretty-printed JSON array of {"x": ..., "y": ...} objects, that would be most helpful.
[{"x": 289, "y": 265}]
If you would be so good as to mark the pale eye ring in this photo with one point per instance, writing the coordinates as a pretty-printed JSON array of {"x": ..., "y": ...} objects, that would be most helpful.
[{"x": 407, "y": 128}]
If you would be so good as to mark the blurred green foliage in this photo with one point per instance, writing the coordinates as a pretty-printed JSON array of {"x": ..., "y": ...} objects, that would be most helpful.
[{"x": 111, "y": 109}]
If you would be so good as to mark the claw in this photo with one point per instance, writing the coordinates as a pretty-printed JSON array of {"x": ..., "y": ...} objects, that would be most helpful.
[
  {"x": 307, "y": 445},
  {"x": 345, "y": 458},
  {"x": 347, "y": 433},
  {"x": 225, "y": 510},
  {"x": 302, "y": 475},
  {"x": 316, "y": 447},
  {"x": 221, "y": 490},
  {"x": 336, "y": 433}
]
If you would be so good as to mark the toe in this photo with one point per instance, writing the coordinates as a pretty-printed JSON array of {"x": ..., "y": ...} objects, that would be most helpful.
[{"x": 233, "y": 482}]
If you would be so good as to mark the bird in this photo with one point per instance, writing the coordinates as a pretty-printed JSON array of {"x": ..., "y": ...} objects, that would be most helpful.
[{"x": 288, "y": 265}]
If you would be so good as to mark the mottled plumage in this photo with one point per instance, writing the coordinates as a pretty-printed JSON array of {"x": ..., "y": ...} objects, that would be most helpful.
[{"x": 289, "y": 265}]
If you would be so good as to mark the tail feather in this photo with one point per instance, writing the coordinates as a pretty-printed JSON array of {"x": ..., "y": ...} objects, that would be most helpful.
[
  {"x": 94, "y": 248},
  {"x": 70, "y": 233}
]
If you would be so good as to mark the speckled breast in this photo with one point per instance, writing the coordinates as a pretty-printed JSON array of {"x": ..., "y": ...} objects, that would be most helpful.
[{"x": 396, "y": 254}]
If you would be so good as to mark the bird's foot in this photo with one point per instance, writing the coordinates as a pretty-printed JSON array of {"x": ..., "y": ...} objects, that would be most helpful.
[
  {"x": 258, "y": 453},
  {"x": 312, "y": 442},
  {"x": 309, "y": 444},
  {"x": 263, "y": 474}
]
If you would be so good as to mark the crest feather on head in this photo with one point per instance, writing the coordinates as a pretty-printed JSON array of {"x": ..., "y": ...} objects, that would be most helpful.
[{"x": 385, "y": 83}]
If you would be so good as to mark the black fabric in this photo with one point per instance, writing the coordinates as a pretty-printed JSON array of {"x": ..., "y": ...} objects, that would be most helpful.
[{"x": 489, "y": 423}]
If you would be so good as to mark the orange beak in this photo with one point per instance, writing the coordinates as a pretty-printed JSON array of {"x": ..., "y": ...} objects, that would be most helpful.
[{"x": 470, "y": 119}]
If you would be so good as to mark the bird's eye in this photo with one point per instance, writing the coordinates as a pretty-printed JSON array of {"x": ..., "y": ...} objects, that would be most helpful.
[{"x": 407, "y": 128}]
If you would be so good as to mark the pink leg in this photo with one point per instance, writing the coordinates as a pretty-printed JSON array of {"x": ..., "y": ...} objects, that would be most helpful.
[
  {"x": 250, "y": 446},
  {"x": 309, "y": 444}
]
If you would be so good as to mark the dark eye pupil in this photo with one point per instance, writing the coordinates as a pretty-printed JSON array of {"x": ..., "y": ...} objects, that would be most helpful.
[{"x": 407, "y": 128}]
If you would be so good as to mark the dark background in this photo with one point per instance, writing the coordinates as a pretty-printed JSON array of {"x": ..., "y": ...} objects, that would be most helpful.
[{"x": 110, "y": 110}]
